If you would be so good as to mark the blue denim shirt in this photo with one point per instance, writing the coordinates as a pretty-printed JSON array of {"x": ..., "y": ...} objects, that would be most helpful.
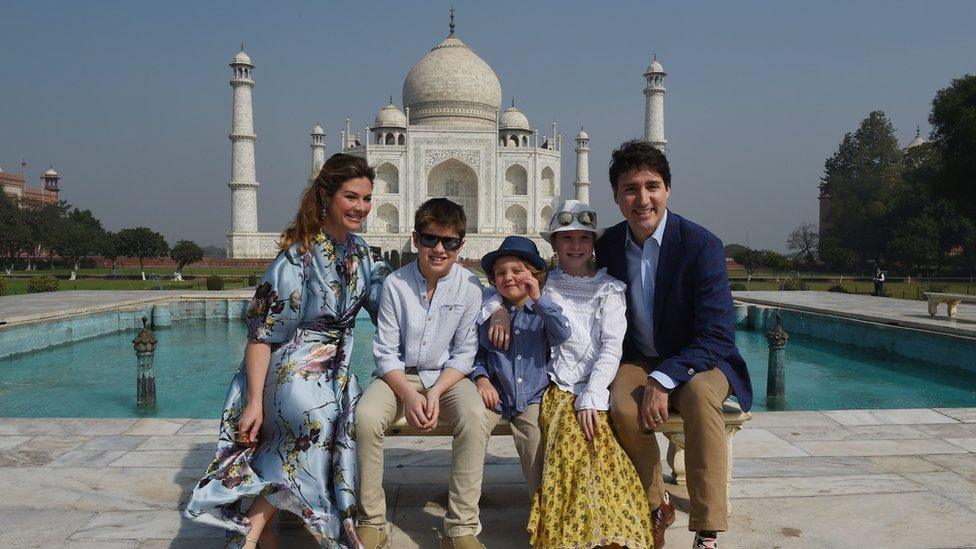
[{"x": 519, "y": 374}]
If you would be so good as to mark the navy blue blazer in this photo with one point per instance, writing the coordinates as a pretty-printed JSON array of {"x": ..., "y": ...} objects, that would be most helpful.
[{"x": 694, "y": 322}]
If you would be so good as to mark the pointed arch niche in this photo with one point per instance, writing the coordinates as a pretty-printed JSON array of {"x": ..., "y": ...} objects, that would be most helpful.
[
  {"x": 516, "y": 180},
  {"x": 544, "y": 218},
  {"x": 387, "y": 219},
  {"x": 548, "y": 182},
  {"x": 387, "y": 179},
  {"x": 516, "y": 219},
  {"x": 456, "y": 181}
]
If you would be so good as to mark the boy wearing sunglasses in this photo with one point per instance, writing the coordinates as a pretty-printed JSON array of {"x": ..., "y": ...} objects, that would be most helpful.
[{"x": 424, "y": 349}]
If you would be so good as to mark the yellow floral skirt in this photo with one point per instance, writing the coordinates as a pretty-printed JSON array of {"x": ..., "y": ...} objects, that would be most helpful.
[{"x": 590, "y": 494}]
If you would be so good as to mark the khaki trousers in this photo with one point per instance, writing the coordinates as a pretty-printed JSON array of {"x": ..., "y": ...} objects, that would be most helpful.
[
  {"x": 700, "y": 403},
  {"x": 528, "y": 443},
  {"x": 463, "y": 408}
]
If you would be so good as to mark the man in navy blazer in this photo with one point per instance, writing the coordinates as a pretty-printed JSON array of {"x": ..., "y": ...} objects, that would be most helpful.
[{"x": 679, "y": 351}]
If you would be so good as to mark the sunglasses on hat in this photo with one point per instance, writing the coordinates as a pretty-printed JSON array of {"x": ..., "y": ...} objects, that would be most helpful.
[
  {"x": 428, "y": 240},
  {"x": 586, "y": 218}
]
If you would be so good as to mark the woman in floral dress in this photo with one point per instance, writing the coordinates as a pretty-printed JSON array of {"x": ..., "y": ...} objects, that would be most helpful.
[{"x": 285, "y": 432}]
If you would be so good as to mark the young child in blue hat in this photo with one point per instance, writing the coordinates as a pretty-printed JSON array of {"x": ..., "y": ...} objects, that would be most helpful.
[
  {"x": 512, "y": 381},
  {"x": 590, "y": 494}
]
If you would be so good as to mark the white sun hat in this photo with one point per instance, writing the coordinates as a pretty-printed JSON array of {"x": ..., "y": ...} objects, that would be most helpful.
[{"x": 572, "y": 215}]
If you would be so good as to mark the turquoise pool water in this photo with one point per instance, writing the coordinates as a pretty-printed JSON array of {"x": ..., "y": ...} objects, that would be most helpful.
[{"x": 196, "y": 359}]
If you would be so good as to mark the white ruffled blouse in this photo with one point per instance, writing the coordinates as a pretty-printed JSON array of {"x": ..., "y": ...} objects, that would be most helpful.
[{"x": 587, "y": 362}]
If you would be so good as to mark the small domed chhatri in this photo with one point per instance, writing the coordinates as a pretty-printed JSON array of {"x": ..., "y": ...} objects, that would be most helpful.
[
  {"x": 656, "y": 66},
  {"x": 919, "y": 140},
  {"x": 242, "y": 58},
  {"x": 390, "y": 117},
  {"x": 513, "y": 119}
]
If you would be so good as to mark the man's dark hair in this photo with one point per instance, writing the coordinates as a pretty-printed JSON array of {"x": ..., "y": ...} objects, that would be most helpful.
[
  {"x": 443, "y": 212},
  {"x": 634, "y": 155}
]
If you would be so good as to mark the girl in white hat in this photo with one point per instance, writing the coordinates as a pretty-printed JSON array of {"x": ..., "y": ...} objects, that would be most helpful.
[{"x": 590, "y": 494}]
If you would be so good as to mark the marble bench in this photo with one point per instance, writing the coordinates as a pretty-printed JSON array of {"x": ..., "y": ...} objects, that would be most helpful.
[
  {"x": 952, "y": 302},
  {"x": 673, "y": 430}
]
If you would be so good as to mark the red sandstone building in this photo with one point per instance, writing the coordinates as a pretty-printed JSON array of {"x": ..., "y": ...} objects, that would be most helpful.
[{"x": 15, "y": 186}]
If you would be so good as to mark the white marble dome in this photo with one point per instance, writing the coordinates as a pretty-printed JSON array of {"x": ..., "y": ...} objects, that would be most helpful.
[
  {"x": 656, "y": 66},
  {"x": 582, "y": 134},
  {"x": 390, "y": 117},
  {"x": 919, "y": 140},
  {"x": 513, "y": 119},
  {"x": 451, "y": 86},
  {"x": 318, "y": 129},
  {"x": 51, "y": 173},
  {"x": 242, "y": 57}
]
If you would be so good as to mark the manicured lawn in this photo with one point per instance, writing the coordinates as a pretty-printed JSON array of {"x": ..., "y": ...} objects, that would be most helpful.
[{"x": 163, "y": 272}]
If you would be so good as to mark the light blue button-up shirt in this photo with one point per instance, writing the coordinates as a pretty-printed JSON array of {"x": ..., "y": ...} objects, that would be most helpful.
[
  {"x": 414, "y": 334},
  {"x": 642, "y": 270}
]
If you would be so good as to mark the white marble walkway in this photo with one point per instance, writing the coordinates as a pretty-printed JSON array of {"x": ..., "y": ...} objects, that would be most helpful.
[
  {"x": 883, "y": 310},
  {"x": 863, "y": 478}
]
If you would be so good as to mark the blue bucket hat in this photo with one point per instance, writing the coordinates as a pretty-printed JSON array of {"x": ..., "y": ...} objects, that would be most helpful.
[{"x": 517, "y": 246}]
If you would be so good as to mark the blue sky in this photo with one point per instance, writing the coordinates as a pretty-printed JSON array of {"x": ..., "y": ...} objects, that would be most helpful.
[{"x": 130, "y": 100}]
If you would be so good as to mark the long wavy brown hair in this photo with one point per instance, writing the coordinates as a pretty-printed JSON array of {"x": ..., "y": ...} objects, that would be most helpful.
[{"x": 338, "y": 169}]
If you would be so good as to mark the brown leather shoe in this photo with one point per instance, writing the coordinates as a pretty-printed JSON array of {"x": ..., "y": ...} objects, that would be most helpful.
[
  {"x": 468, "y": 541},
  {"x": 372, "y": 537},
  {"x": 661, "y": 519}
]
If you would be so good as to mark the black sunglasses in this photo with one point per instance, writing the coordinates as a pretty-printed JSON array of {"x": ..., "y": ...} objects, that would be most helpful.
[
  {"x": 585, "y": 218},
  {"x": 450, "y": 243}
]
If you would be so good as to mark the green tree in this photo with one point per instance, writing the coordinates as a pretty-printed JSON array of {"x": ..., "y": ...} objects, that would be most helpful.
[
  {"x": 109, "y": 248},
  {"x": 774, "y": 261},
  {"x": 80, "y": 236},
  {"x": 732, "y": 249},
  {"x": 14, "y": 233},
  {"x": 953, "y": 120},
  {"x": 920, "y": 204},
  {"x": 750, "y": 260},
  {"x": 916, "y": 244},
  {"x": 185, "y": 252},
  {"x": 863, "y": 178},
  {"x": 142, "y": 242},
  {"x": 44, "y": 223},
  {"x": 837, "y": 257}
]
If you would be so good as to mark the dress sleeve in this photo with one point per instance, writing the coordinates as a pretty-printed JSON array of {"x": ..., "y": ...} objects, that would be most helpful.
[
  {"x": 376, "y": 271},
  {"x": 613, "y": 326},
  {"x": 276, "y": 307}
]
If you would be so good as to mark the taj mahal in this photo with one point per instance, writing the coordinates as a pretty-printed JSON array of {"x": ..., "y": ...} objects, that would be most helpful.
[{"x": 450, "y": 140}]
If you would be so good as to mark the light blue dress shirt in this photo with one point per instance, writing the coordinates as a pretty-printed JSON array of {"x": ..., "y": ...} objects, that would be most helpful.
[
  {"x": 642, "y": 270},
  {"x": 519, "y": 373},
  {"x": 414, "y": 334}
]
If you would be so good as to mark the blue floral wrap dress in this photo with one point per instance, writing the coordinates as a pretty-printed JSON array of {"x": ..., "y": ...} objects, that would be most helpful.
[{"x": 305, "y": 462}]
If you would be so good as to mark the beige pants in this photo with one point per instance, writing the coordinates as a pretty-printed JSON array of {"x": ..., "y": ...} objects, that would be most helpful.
[
  {"x": 528, "y": 444},
  {"x": 700, "y": 403},
  {"x": 463, "y": 408}
]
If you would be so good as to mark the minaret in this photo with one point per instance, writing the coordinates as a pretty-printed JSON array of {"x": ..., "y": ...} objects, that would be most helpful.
[
  {"x": 654, "y": 106},
  {"x": 243, "y": 184},
  {"x": 582, "y": 182},
  {"x": 349, "y": 140},
  {"x": 318, "y": 150}
]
